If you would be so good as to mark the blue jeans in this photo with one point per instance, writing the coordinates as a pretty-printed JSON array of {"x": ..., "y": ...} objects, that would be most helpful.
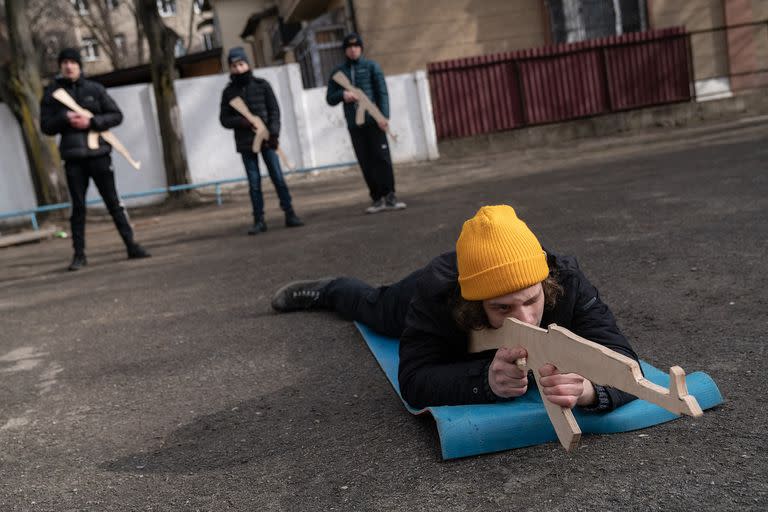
[{"x": 251, "y": 162}]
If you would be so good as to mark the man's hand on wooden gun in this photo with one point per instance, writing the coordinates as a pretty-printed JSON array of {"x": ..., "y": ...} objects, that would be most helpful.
[
  {"x": 272, "y": 143},
  {"x": 350, "y": 97},
  {"x": 565, "y": 389},
  {"x": 506, "y": 378},
  {"x": 78, "y": 121}
]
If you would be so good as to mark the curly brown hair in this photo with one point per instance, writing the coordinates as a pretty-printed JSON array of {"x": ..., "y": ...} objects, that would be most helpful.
[{"x": 470, "y": 315}]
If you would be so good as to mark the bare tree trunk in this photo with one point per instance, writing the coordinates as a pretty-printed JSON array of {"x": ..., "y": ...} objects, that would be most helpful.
[
  {"x": 191, "y": 26},
  {"x": 161, "y": 45},
  {"x": 107, "y": 32},
  {"x": 140, "y": 35},
  {"x": 21, "y": 89},
  {"x": 99, "y": 22}
]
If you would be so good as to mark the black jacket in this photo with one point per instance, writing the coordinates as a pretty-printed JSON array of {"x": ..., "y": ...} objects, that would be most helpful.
[
  {"x": 435, "y": 367},
  {"x": 258, "y": 95},
  {"x": 89, "y": 95}
]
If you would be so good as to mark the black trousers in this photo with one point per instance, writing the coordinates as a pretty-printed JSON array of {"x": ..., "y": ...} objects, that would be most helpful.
[
  {"x": 372, "y": 152},
  {"x": 383, "y": 308},
  {"x": 79, "y": 172}
]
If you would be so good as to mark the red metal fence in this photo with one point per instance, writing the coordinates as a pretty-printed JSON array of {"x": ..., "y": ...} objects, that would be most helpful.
[{"x": 543, "y": 85}]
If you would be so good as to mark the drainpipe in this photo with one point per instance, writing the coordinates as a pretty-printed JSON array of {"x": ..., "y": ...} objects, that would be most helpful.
[{"x": 351, "y": 18}]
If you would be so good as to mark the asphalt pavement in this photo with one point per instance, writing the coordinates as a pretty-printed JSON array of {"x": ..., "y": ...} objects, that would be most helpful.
[{"x": 169, "y": 384}]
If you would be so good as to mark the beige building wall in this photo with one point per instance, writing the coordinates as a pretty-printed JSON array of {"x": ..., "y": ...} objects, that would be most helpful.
[
  {"x": 124, "y": 24},
  {"x": 403, "y": 35},
  {"x": 760, "y": 12},
  {"x": 710, "y": 50},
  {"x": 747, "y": 45},
  {"x": 231, "y": 17}
]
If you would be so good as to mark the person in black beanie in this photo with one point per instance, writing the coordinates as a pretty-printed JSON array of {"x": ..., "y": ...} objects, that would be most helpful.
[
  {"x": 81, "y": 162},
  {"x": 370, "y": 139},
  {"x": 260, "y": 99}
]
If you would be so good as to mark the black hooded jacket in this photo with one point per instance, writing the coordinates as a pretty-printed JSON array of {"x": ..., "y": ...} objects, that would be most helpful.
[
  {"x": 435, "y": 367},
  {"x": 258, "y": 95},
  {"x": 89, "y": 95}
]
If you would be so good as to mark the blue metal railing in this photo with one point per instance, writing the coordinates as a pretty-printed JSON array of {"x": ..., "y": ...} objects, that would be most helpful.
[{"x": 32, "y": 213}]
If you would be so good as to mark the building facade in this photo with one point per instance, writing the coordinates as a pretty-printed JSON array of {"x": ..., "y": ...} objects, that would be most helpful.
[
  {"x": 724, "y": 59},
  {"x": 404, "y": 36},
  {"x": 109, "y": 35}
]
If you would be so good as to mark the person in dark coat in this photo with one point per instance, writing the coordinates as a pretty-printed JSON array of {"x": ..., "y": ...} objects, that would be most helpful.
[
  {"x": 370, "y": 139},
  {"x": 260, "y": 99},
  {"x": 498, "y": 270},
  {"x": 81, "y": 162}
]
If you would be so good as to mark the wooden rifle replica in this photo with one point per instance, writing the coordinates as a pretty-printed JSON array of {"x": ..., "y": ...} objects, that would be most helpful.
[
  {"x": 364, "y": 103},
  {"x": 93, "y": 137},
  {"x": 259, "y": 128},
  {"x": 573, "y": 354}
]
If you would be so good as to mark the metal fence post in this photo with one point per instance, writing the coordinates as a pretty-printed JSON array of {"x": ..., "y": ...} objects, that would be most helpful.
[
  {"x": 520, "y": 92},
  {"x": 691, "y": 66},
  {"x": 606, "y": 81}
]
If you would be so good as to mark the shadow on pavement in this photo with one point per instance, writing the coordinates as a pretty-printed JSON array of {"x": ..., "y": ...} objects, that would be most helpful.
[{"x": 277, "y": 426}]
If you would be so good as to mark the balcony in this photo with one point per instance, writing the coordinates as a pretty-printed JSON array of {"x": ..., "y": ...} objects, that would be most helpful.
[{"x": 293, "y": 11}]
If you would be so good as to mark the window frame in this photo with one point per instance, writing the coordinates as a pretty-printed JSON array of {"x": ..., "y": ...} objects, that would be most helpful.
[
  {"x": 89, "y": 49},
  {"x": 167, "y": 8}
]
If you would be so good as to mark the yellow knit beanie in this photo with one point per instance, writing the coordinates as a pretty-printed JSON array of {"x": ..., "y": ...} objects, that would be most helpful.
[{"x": 497, "y": 254}]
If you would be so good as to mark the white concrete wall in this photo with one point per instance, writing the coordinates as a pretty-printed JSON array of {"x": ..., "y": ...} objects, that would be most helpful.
[
  {"x": 713, "y": 89},
  {"x": 312, "y": 133},
  {"x": 413, "y": 125},
  {"x": 16, "y": 189},
  {"x": 140, "y": 133},
  {"x": 210, "y": 147}
]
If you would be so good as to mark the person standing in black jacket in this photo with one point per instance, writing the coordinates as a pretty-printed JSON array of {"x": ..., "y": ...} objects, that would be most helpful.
[
  {"x": 498, "y": 270},
  {"x": 369, "y": 140},
  {"x": 81, "y": 162},
  {"x": 260, "y": 99}
]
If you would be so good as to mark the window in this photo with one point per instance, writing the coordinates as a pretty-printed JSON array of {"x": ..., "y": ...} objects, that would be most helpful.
[
  {"x": 318, "y": 53},
  {"x": 81, "y": 6},
  {"x": 120, "y": 44},
  {"x": 579, "y": 20},
  {"x": 179, "y": 50},
  {"x": 90, "y": 49},
  {"x": 208, "y": 41},
  {"x": 166, "y": 7},
  {"x": 51, "y": 47}
]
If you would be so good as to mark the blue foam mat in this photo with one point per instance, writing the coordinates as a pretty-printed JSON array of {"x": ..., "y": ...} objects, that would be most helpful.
[{"x": 466, "y": 430}]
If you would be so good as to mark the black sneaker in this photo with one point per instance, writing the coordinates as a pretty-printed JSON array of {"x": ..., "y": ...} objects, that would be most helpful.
[
  {"x": 292, "y": 220},
  {"x": 78, "y": 262},
  {"x": 136, "y": 252},
  {"x": 392, "y": 203},
  {"x": 300, "y": 295},
  {"x": 376, "y": 207},
  {"x": 258, "y": 227}
]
